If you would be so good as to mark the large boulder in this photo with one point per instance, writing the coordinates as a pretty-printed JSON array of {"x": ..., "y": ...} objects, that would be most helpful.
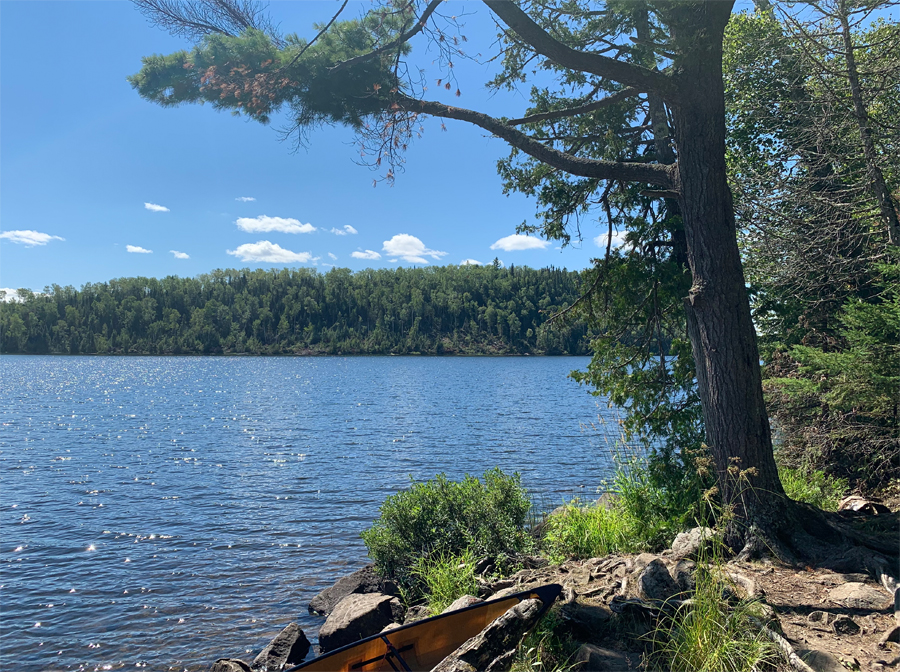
[
  {"x": 289, "y": 647},
  {"x": 462, "y": 603},
  {"x": 493, "y": 649},
  {"x": 655, "y": 583},
  {"x": 688, "y": 544},
  {"x": 358, "y": 616},
  {"x": 585, "y": 620},
  {"x": 365, "y": 580},
  {"x": 855, "y": 595},
  {"x": 229, "y": 665}
]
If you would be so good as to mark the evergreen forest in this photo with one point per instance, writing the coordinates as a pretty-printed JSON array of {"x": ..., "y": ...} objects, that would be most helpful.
[{"x": 439, "y": 310}]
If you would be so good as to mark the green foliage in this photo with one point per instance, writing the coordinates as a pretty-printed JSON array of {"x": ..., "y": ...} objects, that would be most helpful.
[
  {"x": 666, "y": 491},
  {"x": 546, "y": 648},
  {"x": 837, "y": 404},
  {"x": 440, "y": 518},
  {"x": 591, "y": 531},
  {"x": 442, "y": 310},
  {"x": 813, "y": 487},
  {"x": 712, "y": 633},
  {"x": 445, "y": 577}
]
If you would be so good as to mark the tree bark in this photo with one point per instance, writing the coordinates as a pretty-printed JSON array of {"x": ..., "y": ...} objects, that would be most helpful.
[{"x": 720, "y": 327}]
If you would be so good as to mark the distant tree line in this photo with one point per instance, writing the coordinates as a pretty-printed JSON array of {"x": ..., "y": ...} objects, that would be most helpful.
[{"x": 437, "y": 310}]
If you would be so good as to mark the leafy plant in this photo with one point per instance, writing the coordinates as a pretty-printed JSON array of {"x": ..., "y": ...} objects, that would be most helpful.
[
  {"x": 591, "y": 531},
  {"x": 446, "y": 577},
  {"x": 813, "y": 487},
  {"x": 442, "y": 518}
]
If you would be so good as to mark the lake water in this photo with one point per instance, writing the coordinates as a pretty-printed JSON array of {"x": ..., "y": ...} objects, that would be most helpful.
[{"x": 164, "y": 512}]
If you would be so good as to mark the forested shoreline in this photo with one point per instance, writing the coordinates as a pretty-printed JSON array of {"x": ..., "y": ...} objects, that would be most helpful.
[{"x": 436, "y": 310}]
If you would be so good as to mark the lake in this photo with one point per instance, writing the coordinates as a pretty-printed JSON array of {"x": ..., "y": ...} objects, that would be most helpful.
[{"x": 165, "y": 511}]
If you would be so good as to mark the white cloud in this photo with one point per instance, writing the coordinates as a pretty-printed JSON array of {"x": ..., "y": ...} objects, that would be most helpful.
[
  {"x": 11, "y": 295},
  {"x": 618, "y": 239},
  {"x": 264, "y": 224},
  {"x": 28, "y": 237},
  {"x": 345, "y": 231},
  {"x": 136, "y": 249},
  {"x": 245, "y": 199},
  {"x": 368, "y": 254},
  {"x": 333, "y": 256},
  {"x": 156, "y": 208},
  {"x": 470, "y": 262},
  {"x": 269, "y": 253},
  {"x": 519, "y": 241},
  {"x": 409, "y": 248},
  {"x": 180, "y": 255}
]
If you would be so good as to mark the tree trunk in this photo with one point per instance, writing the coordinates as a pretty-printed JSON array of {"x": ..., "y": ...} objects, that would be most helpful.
[
  {"x": 720, "y": 328},
  {"x": 878, "y": 186}
]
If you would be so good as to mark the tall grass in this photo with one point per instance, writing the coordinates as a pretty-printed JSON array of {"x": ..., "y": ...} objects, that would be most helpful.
[
  {"x": 711, "y": 633},
  {"x": 446, "y": 577},
  {"x": 591, "y": 531},
  {"x": 813, "y": 487}
]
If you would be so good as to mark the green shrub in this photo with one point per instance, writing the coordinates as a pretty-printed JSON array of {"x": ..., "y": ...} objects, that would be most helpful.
[
  {"x": 591, "y": 531},
  {"x": 665, "y": 492},
  {"x": 813, "y": 487},
  {"x": 445, "y": 518},
  {"x": 714, "y": 631},
  {"x": 446, "y": 577}
]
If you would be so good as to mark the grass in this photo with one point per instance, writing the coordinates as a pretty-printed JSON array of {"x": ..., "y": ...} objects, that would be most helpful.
[
  {"x": 544, "y": 649},
  {"x": 591, "y": 531},
  {"x": 446, "y": 577},
  {"x": 813, "y": 487}
]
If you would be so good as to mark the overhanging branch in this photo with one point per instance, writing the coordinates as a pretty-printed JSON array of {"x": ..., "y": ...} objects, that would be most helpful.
[
  {"x": 647, "y": 173},
  {"x": 640, "y": 78},
  {"x": 574, "y": 111}
]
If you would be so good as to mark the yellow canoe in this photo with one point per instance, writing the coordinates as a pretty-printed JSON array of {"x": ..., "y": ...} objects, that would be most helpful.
[{"x": 423, "y": 644}]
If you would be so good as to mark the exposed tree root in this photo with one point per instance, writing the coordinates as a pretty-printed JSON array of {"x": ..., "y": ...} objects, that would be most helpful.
[
  {"x": 804, "y": 535},
  {"x": 795, "y": 661}
]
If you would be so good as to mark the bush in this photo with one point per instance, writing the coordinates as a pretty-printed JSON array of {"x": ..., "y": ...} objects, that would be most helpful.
[
  {"x": 445, "y": 518},
  {"x": 592, "y": 531},
  {"x": 813, "y": 487},
  {"x": 665, "y": 492},
  {"x": 446, "y": 578}
]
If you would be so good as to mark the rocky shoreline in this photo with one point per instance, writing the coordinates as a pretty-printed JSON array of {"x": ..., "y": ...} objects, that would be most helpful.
[{"x": 823, "y": 620}]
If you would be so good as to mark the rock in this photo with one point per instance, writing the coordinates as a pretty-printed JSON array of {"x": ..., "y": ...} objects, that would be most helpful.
[
  {"x": 365, "y": 580},
  {"x": 416, "y": 613},
  {"x": 585, "y": 621},
  {"x": 844, "y": 625},
  {"x": 358, "y": 616},
  {"x": 493, "y": 649},
  {"x": 289, "y": 647},
  {"x": 820, "y": 617},
  {"x": 391, "y": 626},
  {"x": 860, "y": 596},
  {"x": 607, "y": 500},
  {"x": 892, "y": 635},
  {"x": 230, "y": 665},
  {"x": 590, "y": 657},
  {"x": 462, "y": 603},
  {"x": 683, "y": 575},
  {"x": 688, "y": 544},
  {"x": 655, "y": 583},
  {"x": 821, "y": 661},
  {"x": 862, "y": 505}
]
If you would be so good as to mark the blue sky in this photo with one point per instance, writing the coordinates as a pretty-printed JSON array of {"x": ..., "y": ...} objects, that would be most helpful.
[{"x": 82, "y": 156}]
